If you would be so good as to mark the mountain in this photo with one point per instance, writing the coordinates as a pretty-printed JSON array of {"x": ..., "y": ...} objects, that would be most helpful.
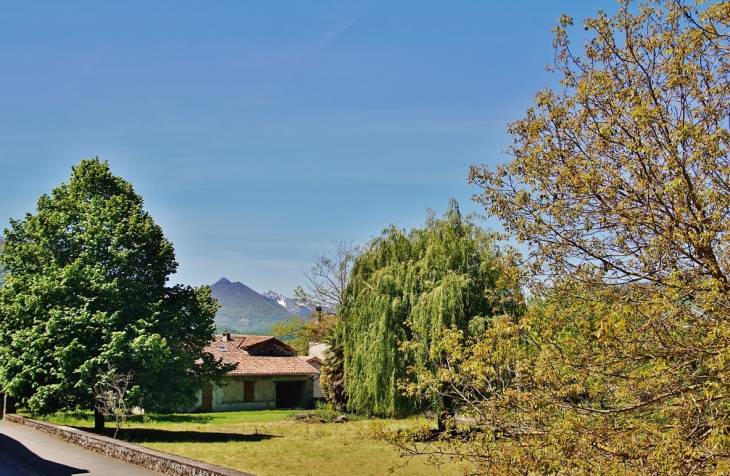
[
  {"x": 293, "y": 307},
  {"x": 243, "y": 310}
]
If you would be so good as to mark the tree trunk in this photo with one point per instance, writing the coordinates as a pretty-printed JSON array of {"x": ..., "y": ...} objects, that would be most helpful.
[
  {"x": 446, "y": 413},
  {"x": 7, "y": 404},
  {"x": 98, "y": 421}
]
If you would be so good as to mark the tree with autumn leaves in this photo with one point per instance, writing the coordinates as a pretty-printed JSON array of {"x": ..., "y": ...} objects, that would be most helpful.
[{"x": 619, "y": 188}]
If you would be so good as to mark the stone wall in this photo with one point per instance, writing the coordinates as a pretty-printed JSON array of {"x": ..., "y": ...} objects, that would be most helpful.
[{"x": 163, "y": 463}]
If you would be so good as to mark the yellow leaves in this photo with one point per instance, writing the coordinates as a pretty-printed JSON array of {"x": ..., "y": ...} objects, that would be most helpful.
[
  {"x": 565, "y": 20},
  {"x": 620, "y": 185},
  {"x": 522, "y": 198}
]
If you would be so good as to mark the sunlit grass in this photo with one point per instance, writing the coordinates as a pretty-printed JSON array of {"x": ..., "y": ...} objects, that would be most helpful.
[{"x": 270, "y": 443}]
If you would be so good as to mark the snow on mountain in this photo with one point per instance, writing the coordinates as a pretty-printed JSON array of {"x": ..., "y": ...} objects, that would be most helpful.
[
  {"x": 293, "y": 307},
  {"x": 243, "y": 310}
]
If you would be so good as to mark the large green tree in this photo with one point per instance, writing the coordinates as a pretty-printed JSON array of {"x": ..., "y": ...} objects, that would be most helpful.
[
  {"x": 3, "y": 271},
  {"x": 87, "y": 290},
  {"x": 619, "y": 187},
  {"x": 404, "y": 288}
]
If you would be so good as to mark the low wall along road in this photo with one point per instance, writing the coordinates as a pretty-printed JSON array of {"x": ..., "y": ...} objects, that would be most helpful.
[{"x": 150, "y": 459}]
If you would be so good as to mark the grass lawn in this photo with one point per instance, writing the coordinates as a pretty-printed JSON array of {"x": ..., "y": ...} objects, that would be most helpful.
[{"x": 270, "y": 443}]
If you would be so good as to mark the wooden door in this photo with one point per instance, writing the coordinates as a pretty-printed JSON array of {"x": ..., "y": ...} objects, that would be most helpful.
[
  {"x": 248, "y": 391},
  {"x": 207, "y": 406}
]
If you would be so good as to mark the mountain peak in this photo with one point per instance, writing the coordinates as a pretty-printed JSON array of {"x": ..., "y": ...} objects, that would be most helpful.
[
  {"x": 243, "y": 310},
  {"x": 293, "y": 307}
]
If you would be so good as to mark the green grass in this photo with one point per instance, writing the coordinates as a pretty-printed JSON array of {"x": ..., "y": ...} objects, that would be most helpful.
[{"x": 270, "y": 443}]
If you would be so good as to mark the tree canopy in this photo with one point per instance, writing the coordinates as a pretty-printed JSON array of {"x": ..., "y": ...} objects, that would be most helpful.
[
  {"x": 406, "y": 286},
  {"x": 87, "y": 290},
  {"x": 619, "y": 186},
  {"x": 295, "y": 332},
  {"x": 3, "y": 271}
]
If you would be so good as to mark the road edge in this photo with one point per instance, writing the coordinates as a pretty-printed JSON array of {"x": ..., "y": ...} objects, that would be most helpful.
[{"x": 154, "y": 460}]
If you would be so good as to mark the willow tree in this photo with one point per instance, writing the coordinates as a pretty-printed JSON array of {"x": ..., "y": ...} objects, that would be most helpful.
[
  {"x": 620, "y": 187},
  {"x": 87, "y": 290},
  {"x": 404, "y": 288}
]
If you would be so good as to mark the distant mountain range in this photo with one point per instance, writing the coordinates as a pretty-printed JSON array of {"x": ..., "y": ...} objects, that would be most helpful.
[
  {"x": 293, "y": 307},
  {"x": 245, "y": 311}
]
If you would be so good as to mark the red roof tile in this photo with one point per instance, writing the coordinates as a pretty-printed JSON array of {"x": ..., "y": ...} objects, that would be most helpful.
[
  {"x": 311, "y": 358},
  {"x": 234, "y": 352}
]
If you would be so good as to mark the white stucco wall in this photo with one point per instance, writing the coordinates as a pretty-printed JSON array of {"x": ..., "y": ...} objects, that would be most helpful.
[
  {"x": 229, "y": 398},
  {"x": 318, "y": 350},
  {"x": 318, "y": 393}
]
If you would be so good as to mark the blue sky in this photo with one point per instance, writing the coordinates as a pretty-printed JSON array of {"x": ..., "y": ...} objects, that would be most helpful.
[{"x": 259, "y": 131}]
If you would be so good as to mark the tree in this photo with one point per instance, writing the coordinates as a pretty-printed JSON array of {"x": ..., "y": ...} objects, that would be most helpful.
[
  {"x": 619, "y": 186},
  {"x": 327, "y": 279},
  {"x": 299, "y": 331},
  {"x": 111, "y": 396},
  {"x": 326, "y": 282},
  {"x": 294, "y": 332},
  {"x": 404, "y": 288},
  {"x": 86, "y": 289},
  {"x": 3, "y": 271}
]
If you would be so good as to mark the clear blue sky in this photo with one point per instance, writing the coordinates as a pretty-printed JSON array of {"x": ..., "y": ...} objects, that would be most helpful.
[{"x": 259, "y": 131}]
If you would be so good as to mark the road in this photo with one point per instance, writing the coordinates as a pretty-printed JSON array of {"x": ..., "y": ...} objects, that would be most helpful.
[{"x": 28, "y": 452}]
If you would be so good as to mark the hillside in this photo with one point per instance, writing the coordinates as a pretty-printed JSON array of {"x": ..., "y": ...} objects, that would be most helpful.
[{"x": 243, "y": 310}]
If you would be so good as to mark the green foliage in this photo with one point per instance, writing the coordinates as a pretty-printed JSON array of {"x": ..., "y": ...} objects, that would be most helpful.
[
  {"x": 332, "y": 373},
  {"x": 326, "y": 282},
  {"x": 326, "y": 412},
  {"x": 293, "y": 331},
  {"x": 619, "y": 186},
  {"x": 3, "y": 271},
  {"x": 86, "y": 290},
  {"x": 406, "y": 286}
]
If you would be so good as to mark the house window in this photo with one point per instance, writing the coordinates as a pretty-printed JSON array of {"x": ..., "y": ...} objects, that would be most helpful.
[{"x": 248, "y": 391}]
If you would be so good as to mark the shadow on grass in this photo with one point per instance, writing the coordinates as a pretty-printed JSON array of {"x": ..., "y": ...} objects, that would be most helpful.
[
  {"x": 150, "y": 435},
  {"x": 200, "y": 418},
  {"x": 173, "y": 418}
]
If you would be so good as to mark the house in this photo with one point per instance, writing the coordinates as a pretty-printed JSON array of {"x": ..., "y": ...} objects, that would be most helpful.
[
  {"x": 316, "y": 362},
  {"x": 318, "y": 350},
  {"x": 316, "y": 358},
  {"x": 268, "y": 375}
]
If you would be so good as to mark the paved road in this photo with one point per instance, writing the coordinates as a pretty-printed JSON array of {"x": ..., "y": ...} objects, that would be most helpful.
[{"x": 28, "y": 452}]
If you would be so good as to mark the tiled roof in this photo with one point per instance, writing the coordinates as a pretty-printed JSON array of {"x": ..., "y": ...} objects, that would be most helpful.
[
  {"x": 311, "y": 358},
  {"x": 248, "y": 341},
  {"x": 233, "y": 352}
]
